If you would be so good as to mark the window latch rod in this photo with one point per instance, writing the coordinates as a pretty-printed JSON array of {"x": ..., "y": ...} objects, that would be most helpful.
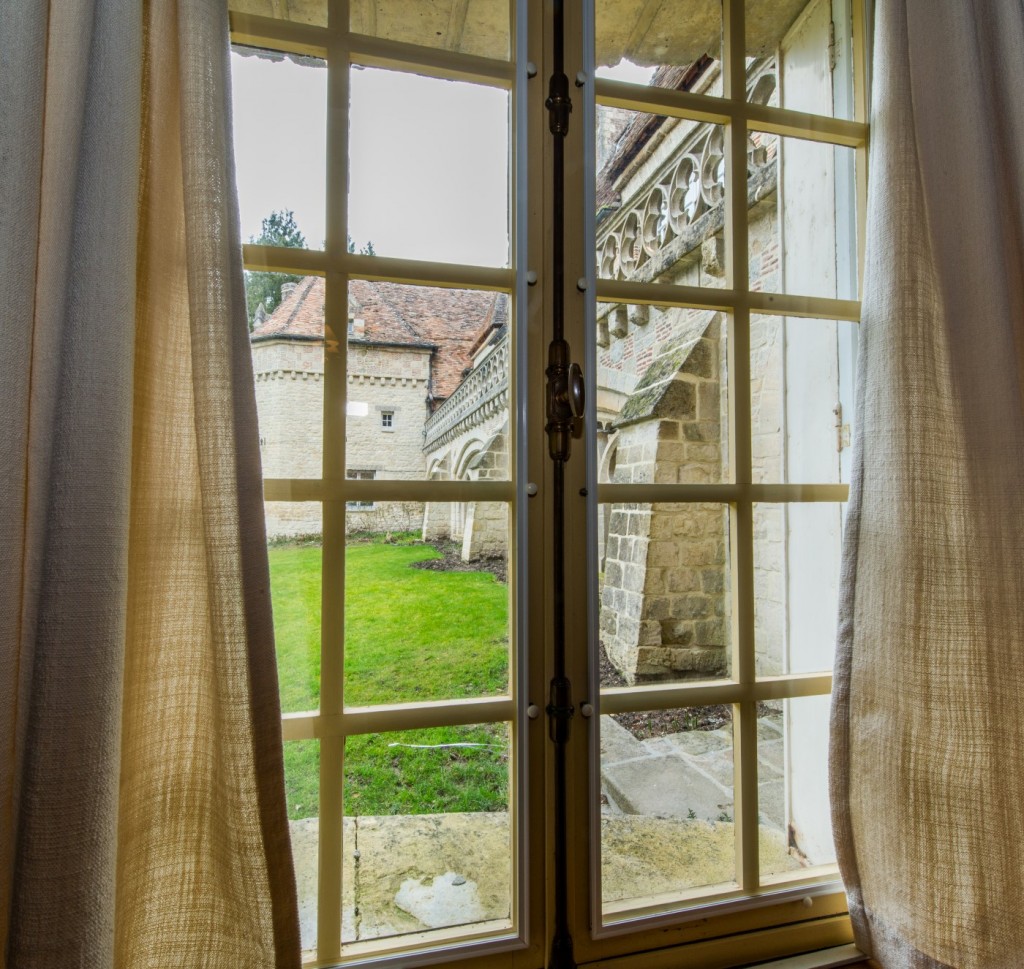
[{"x": 559, "y": 104}]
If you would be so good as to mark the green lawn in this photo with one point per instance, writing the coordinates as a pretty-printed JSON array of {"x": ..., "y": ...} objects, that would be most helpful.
[{"x": 411, "y": 634}]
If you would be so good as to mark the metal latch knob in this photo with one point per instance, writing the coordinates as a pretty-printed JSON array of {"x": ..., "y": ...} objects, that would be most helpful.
[{"x": 577, "y": 390}]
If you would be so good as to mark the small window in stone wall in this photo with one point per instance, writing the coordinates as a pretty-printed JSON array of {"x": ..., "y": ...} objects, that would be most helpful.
[
  {"x": 356, "y": 474},
  {"x": 387, "y": 420}
]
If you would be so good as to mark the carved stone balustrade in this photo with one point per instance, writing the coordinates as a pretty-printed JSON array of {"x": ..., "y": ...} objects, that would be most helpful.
[{"x": 481, "y": 395}]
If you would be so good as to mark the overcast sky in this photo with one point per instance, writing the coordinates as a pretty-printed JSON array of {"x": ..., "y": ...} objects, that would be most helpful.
[{"x": 429, "y": 159}]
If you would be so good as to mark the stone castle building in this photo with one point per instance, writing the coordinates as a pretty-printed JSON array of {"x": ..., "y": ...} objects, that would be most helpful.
[{"x": 409, "y": 348}]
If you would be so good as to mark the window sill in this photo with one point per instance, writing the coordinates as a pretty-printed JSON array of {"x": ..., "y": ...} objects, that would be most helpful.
[{"x": 843, "y": 955}]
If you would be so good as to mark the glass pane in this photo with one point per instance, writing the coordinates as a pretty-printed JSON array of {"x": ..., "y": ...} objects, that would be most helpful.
[
  {"x": 287, "y": 343},
  {"x": 801, "y": 397},
  {"x": 792, "y": 755},
  {"x": 803, "y": 241},
  {"x": 800, "y": 56},
  {"x": 302, "y": 11},
  {"x": 279, "y": 121},
  {"x": 427, "y": 820},
  {"x": 295, "y": 567},
  {"x": 429, "y": 168},
  {"x": 428, "y": 383},
  {"x": 302, "y": 790},
  {"x": 426, "y": 621},
  {"x": 479, "y": 27},
  {"x": 662, "y": 396},
  {"x": 660, "y": 200},
  {"x": 666, "y": 805},
  {"x": 663, "y": 584},
  {"x": 675, "y": 45},
  {"x": 797, "y": 551}
]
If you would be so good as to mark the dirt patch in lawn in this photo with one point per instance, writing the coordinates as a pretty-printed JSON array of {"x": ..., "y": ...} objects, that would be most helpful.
[
  {"x": 451, "y": 561},
  {"x": 659, "y": 723}
]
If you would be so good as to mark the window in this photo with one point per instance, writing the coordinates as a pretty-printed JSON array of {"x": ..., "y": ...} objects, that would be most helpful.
[
  {"x": 715, "y": 168},
  {"x": 360, "y": 475}
]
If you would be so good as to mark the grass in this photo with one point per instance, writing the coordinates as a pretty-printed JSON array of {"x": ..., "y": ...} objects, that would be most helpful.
[{"x": 410, "y": 634}]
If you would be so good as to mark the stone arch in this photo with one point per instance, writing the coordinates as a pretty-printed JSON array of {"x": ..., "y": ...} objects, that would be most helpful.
[
  {"x": 484, "y": 524},
  {"x": 469, "y": 451}
]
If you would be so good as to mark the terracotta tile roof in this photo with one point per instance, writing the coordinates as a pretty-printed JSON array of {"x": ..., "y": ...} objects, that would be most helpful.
[
  {"x": 639, "y": 131},
  {"x": 450, "y": 322},
  {"x": 299, "y": 316}
]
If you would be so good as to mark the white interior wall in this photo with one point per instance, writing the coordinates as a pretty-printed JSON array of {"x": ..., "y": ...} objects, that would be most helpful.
[{"x": 813, "y": 532}]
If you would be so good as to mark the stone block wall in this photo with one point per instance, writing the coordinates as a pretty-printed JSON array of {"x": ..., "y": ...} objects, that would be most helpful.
[
  {"x": 637, "y": 347},
  {"x": 290, "y": 402},
  {"x": 664, "y": 607}
]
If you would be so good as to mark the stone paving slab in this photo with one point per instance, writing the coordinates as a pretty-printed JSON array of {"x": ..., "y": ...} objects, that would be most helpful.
[
  {"x": 643, "y": 856},
  {"x": 617, "y": 743},
  {"x": 666, "y": 787},
  {"x": 419, "y": 872}
]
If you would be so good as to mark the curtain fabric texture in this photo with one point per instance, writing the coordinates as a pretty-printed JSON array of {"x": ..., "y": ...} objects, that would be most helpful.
[
  {"x": 142, "y": 812},
  {"x": 928, "y": 737}
]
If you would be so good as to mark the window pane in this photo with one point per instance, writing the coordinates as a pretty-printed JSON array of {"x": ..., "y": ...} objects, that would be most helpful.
[
  {"x": 801, "y": 399},
  {"x": 663, "y": 583},
  {"x": 660, "y": 200},
  {"x": 797, "y": 549},
  {"x": 423, "y": 622},
  {"x": 302, "y": 790},
  {"x": 479, "y": 27},
  {"x": 427, "y": 820},
  {"x": 804, "y": 240},
  {"x": 806, "y": 50},
  {"x": 792, "y": 753},
  {"x": 279, "y": 120},
  {"x": 424, "y": 183},
  {"x": 677, "y": 45},
  {"x": 662, "y": 398},
  {"x": 295, "y": 567},
  {"x": 428, "y": 382},
  {"x": 667, "y": 817}
]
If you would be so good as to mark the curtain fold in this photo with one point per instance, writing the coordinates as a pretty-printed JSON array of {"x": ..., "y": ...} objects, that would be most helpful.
[
  {"x": 142, "y": 811},
  {"x": 927, "y": 759}
]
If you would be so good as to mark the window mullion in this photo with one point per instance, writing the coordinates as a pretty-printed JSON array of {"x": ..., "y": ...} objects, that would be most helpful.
[{"x": 332, "y": 749}]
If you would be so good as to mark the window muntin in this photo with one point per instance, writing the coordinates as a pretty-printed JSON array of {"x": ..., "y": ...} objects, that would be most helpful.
[
  {"x": 777, "y": 190},
  {"x": 354, "y": 491},
  {"x": 491, "y": 711}
]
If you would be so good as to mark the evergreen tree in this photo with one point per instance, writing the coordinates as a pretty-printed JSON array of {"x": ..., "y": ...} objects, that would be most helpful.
[
  {"x": 366, "y": 250},
  {"x": 278, "y": 229}
]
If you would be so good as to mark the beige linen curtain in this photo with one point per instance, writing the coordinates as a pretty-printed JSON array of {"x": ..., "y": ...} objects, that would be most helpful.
[
  {"x": 142, "y": 814},
  {"x": 928, "y": 732}
]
